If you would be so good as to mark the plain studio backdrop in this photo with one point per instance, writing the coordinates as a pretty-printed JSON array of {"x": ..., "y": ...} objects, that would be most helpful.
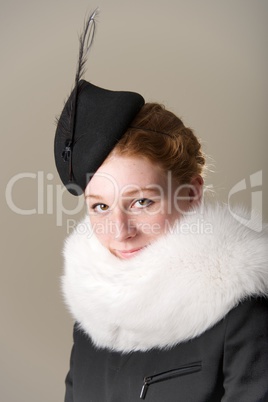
[{"x": 206, "y": 60}]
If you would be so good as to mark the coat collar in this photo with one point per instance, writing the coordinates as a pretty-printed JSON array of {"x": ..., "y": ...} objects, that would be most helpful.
[{"x": 172, "y": 291}]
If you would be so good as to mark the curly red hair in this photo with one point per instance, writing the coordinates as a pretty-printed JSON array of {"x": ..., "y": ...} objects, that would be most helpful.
[{"x": 161, "y": 136}]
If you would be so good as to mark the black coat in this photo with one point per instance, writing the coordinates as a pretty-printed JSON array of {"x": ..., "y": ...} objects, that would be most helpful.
[{"x": 227, "y": 363}]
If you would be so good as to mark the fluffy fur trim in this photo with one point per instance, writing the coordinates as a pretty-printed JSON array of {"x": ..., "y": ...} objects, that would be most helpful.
[{"x": 174, "y": 290}]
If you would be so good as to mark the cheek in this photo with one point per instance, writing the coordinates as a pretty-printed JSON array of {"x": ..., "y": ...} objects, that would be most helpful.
[
  {"x": 100, "y": 229},
  {"x": 153, "y": 226},
  {"x": 160, "y": 224}
]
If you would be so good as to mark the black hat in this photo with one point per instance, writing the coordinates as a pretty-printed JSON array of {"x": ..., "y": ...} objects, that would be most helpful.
[{"x": 92, "y": 122}]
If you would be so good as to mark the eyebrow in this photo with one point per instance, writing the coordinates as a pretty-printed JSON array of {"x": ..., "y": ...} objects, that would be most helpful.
[{"x": 129, "y": 193}]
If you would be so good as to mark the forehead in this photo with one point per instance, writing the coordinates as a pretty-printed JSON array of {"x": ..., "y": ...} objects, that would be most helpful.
[{"x": 125, "y": 173}]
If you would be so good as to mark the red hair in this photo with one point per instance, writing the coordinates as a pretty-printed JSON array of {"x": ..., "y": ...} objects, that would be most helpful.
[{"x": 161, "y": 136}]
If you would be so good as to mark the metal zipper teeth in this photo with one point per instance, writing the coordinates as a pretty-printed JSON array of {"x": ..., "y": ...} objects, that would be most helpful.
[{"x": 192, "y": 368}]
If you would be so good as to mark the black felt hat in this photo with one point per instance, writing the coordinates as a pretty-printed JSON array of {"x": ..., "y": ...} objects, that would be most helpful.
[{"x": 92, "y": 122}]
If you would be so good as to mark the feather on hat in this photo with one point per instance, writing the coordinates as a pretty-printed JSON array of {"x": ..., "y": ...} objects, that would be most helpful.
[{"x": 92, "y": 122}]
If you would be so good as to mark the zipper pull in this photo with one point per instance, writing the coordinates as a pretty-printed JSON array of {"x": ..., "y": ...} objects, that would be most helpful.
[{"x": 144, "y": 388}]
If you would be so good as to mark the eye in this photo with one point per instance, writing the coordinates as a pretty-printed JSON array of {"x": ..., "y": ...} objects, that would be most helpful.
[
  {"x": 142, "y": 203},
  {"x": 100, "y": 208}
]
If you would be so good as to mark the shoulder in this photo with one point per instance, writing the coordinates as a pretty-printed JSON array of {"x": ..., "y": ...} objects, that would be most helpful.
[
  {"x": 250, "y": 308},
  {"x": 248, "y": 319}
]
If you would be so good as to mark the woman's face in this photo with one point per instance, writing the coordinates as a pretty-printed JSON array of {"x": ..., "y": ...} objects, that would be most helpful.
[{"x": 132, "y": 202}]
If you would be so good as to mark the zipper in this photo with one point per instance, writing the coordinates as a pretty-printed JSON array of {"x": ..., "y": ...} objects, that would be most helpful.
[{"x": 167, "y": 375}]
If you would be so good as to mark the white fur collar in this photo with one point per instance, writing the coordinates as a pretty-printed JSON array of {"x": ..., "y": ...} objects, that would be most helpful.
[{"x": 173, "y": 290}]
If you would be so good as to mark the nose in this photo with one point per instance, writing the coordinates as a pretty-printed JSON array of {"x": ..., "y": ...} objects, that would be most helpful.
[{"x": 125, "y": 227}]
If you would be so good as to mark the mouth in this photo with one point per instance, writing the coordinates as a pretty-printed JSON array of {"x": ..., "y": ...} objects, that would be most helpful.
[{"x": 125, "y": 254}]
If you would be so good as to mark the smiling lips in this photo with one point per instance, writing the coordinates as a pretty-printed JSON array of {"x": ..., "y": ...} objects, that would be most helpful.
[{"x": 128, "y": 253}]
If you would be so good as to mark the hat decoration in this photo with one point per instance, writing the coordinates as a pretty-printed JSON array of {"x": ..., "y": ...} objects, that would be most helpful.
[{"x": 92, "y": 122}]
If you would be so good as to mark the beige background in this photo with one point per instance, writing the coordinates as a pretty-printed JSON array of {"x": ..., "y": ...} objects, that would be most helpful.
[{"x": 206, "y": 60}]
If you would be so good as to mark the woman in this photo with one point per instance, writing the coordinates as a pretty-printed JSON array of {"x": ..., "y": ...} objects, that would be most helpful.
[{"x": 168, "y": 293}]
